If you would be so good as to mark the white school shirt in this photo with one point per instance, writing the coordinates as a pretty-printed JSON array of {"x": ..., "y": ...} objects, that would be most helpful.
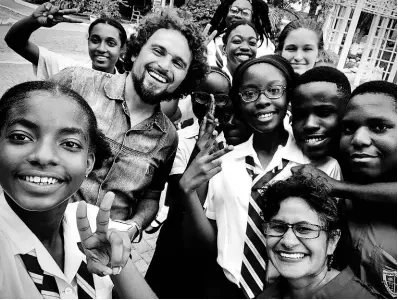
[
  {"x": 16, "y": 238},
  {"x": 229, "y": 193},
  {"x": 51, "y": 63}
]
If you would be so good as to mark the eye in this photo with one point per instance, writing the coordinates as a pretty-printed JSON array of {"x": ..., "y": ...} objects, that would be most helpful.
[
  {"x": 112, "y": 43},
  {"x": 305, "y": 229},
  {"x": 277, "y": 227},
  {"x": 325, "y": 113},
  {"x": 290, "y": 48},
  {"x": 348, "y": 129},
  {"x": 274, "y": 90},
  {"x": 253, "y": 43},
  {"x": 179, "y": 64},
  {"x": 19, "y": 137},
  {"x": 71, "y": 145},
  {"x": 308, "y": 49},
  {"x": 94, "y": 40},
  {"x": 157, "y": 51},
  {"x": 379, "y": 128}
]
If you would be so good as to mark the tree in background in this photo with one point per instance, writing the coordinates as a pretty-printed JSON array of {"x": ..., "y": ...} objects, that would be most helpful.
[{"x": 201, "y": 10}]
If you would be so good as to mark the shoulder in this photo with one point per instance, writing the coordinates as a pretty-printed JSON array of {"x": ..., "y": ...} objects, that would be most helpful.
[
  {"x": 81, "y": 76},
  {"x": 330, "y": 166}
]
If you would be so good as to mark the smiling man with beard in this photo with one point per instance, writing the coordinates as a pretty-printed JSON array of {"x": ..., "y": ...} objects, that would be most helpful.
[{"x": 167, "y": 59}]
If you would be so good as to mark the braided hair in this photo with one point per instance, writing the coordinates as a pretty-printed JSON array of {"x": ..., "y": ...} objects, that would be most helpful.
[{"x": 260, "y": 18}]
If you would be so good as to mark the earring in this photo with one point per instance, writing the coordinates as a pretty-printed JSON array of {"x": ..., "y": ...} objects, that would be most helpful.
[
  {"x": 330, "y": 261},
  {"x": 86, "y": 175}
]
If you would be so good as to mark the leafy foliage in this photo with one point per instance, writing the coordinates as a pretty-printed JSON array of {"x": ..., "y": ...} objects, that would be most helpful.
[
  {"x": 201, "y": 10},
  {"x": 101, "y": 8}
]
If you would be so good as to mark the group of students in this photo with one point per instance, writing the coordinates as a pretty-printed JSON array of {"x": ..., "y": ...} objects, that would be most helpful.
[{"x": 262, "y": 156}]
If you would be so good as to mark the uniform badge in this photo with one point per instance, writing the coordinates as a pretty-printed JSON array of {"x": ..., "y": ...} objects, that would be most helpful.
[{"x": 390, "y": 281}]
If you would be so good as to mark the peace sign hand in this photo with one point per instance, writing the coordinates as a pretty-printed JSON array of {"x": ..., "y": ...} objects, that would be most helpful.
[
  {"x": 48, "y": 15},
  {"x": 107, "y": 250},
  {"x": 208, "y": 37}
]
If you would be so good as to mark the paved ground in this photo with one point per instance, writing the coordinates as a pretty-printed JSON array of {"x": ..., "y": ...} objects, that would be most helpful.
[{"x": 69, "y": 40}]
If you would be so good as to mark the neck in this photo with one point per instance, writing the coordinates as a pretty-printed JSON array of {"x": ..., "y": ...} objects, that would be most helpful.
[
  {"x": 268, "y": 142},
  {"x": 110, "y": 69},
  {"x": 306, "y": 287},
  {"x": 45, "y": 225},
  {"x": 231, "y": 69}
]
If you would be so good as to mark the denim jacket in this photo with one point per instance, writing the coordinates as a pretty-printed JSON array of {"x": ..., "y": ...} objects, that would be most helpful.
[{"x": 142, "y": 156}]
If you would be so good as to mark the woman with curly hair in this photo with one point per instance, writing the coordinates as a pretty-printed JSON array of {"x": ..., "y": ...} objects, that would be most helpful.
[
  {"x": 231, "y": 11},
  {"x": 302, "y": 228}
]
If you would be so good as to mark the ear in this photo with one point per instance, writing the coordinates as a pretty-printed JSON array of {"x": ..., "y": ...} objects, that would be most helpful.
[
  {"x": 90, "y": 163},
  {"x": 332, "y": 241},
  {"x": 224, "y": 50},
  {"x": 133, "y": 58}
]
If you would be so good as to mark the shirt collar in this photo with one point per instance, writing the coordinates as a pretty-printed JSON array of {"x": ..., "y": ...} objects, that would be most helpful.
[
  {"x": 114, "y": 89},
  {"x": 23, "y": 241}
]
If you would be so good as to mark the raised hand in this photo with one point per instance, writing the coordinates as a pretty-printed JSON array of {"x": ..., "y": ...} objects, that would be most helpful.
[
  {"x": 107, "y": 250},
  {"x": 208, "y": 126},
  {"x": 206, "y": 164},
  {"x": 48, "y": 15},
  {"x": 208, "y": 37},
  {"x": 310, "y": 170}
]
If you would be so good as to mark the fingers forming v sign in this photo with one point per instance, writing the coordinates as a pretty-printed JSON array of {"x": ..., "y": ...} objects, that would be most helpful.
[
  {"x": 208, "y": 38},
  {"x": 49, "y": 15},
  {"x": 107, "y": 250}
]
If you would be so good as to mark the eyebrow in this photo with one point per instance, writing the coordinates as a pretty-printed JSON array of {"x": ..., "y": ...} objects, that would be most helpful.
[
  {"x": 271, "y": 83},
  {"x": 29, "y": 124},
  {"x": 176, "y": 56}
]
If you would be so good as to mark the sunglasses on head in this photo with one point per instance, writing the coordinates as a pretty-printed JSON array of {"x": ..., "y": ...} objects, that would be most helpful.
[
  {"x": 205, "y": 98},
  {"x": 246, "y": 12}
]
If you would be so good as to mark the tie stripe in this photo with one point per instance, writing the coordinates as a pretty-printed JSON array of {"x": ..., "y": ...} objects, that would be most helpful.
[
  {"x": 254, "y": 253},
  {"x": 47, "y": 285}
]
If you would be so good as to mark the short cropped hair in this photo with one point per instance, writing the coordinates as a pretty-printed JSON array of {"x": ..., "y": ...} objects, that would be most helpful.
[
  {"x": 17, "y": 95},
  {"x": 312, "y": 190},
  {"x": 235, "y": 25},
  {"x": 377, "y": 87},
  {"x": 327, "y": 74},
  {"x": 182, "y": 22}
]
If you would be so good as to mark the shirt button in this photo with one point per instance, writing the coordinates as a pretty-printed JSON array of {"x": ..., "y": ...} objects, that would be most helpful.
[{"x": 68, "y": 290}]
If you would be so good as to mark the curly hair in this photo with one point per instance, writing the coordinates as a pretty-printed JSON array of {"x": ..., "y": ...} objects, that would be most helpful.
[
  {"x": 260, "y": 18},
  {"x": 17, "y": 95},
  {"x": 309, "y": 24},
  {"x": 181, "y": 21},
  {"x": 312, "y": 190},
  {"x": 235, "y": 25}
]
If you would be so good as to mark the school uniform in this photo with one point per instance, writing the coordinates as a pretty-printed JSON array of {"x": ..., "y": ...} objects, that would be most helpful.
[
  {"x": 18, "y": 246},
  {"x": 344, "y": 286},
  {"x": 229, "y": 195}
]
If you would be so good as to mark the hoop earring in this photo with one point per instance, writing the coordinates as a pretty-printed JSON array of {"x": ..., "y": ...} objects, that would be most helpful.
[{"x": 330, "y": 261}]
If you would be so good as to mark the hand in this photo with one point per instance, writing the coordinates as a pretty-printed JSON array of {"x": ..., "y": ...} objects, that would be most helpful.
[
  {"x": 48, "y": 15},
  {"x": 205, "y": 165},
  {"x": 207, "y": 127},
  {"x": 310, "y": 170},
  {"x": 208, "y": 38},
  {"x": 107, "y": 250}
]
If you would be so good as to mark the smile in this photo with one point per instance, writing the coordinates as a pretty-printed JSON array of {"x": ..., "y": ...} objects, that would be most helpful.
[
  {"x": 293, "y": 256},
  {"x": 101, "y": 57},
  {"x": 314, "y": 141},
  {"x": 362, "y": 157},
  {"x": 158, "y": 77},
  {"x": 40, "y": 180},
  {"x": 243, "y": 57},
  {"x": 265, "y": 116}
]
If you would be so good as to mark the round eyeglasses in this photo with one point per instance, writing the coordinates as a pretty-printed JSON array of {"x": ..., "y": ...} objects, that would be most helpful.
[
  {"x": 272, "y": 92},
  {"x": 302, "y": 230},
  {"x": 205, "y": 98},
  {"x": 246, "y": 12}
]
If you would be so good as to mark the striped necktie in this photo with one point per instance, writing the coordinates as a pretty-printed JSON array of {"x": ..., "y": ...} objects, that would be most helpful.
[
  {"x": 47, "y": 285},
  {"x": 254, "y": 253}
]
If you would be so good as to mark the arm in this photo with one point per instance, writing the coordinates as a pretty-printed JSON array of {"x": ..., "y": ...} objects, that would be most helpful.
[
  {"x": 46, "y": 15},
  {"x": 130, "y": 284}
]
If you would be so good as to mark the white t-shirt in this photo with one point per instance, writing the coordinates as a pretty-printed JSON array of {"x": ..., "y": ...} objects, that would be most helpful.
[{"x": 229, "y": 193}]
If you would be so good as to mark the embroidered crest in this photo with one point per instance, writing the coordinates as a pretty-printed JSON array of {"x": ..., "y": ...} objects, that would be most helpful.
[{"x": 390, "y": 281}]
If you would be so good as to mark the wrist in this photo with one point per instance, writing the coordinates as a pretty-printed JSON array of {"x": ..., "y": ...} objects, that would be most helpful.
[{"x": 138, "y": 231}]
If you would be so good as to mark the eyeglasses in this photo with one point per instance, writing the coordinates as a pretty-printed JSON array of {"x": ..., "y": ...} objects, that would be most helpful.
[
  {"x": 271, "y": 92},
  {"x": 246, "y": 12},
  {"x": 205, "y": 98},
  {"x": 302, "y": 230}
]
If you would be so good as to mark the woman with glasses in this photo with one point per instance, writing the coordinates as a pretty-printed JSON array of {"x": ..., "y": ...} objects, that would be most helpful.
[
  {"x": 231, "y": 11},
  {"x": 230, "y": 229},
  {"x": 302, "y": 229}
]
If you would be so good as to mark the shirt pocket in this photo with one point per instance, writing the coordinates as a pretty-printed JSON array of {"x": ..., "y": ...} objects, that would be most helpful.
[{"x": 385, "y": 266}]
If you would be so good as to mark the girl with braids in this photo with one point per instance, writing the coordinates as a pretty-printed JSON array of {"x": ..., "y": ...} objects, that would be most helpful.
[{"x": 231, "y": 11}]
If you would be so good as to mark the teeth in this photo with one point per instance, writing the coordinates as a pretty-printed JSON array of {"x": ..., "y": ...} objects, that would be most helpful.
[
  {"x": 292, "y": 255},
  {"x": 243, "y": 57},
  {"x": 314, "y": 140},
  {"x": 40, "y": 180},
  {"x": 158, "y": 77},
  {"x": 264, "y": 116}
]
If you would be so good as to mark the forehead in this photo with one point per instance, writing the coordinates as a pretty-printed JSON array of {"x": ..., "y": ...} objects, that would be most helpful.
[
  {"x": 242, "y": 4},
  {"x": 173, "y": 41},
  {"x": 243, "y": 30},
  {"x": 317, "y": 93},
  {"x": 262, "y": 74},
  {"x": 50, "y": 111},
  {"x": 302, "y": 36},
  {"x": 215, "y": 83},
  {"x": 294, "y": 210},
  {"x": 371, "y": 106},
  {"x": 105, "y": 31}
]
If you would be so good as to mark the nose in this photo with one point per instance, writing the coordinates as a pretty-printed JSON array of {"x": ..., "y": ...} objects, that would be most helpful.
[
  {"x": 244, "y": 46},
  {"x": 298, "y": 55},
  {"x": 289, "y": 239},
  {"x": 263, "y": 100},
  {"x": 102, "y": 47},
  {"x": 231, "y": 121},
  {"x": 361, "y": 138},
  {"x": 311, "y": 123},
  {"x": 44, "y": 154},
  {"x": 164, "y": 63}
]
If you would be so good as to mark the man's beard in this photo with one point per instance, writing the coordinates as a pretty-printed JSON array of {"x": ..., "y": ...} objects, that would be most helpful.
[{"x": 148, "y": 95}]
